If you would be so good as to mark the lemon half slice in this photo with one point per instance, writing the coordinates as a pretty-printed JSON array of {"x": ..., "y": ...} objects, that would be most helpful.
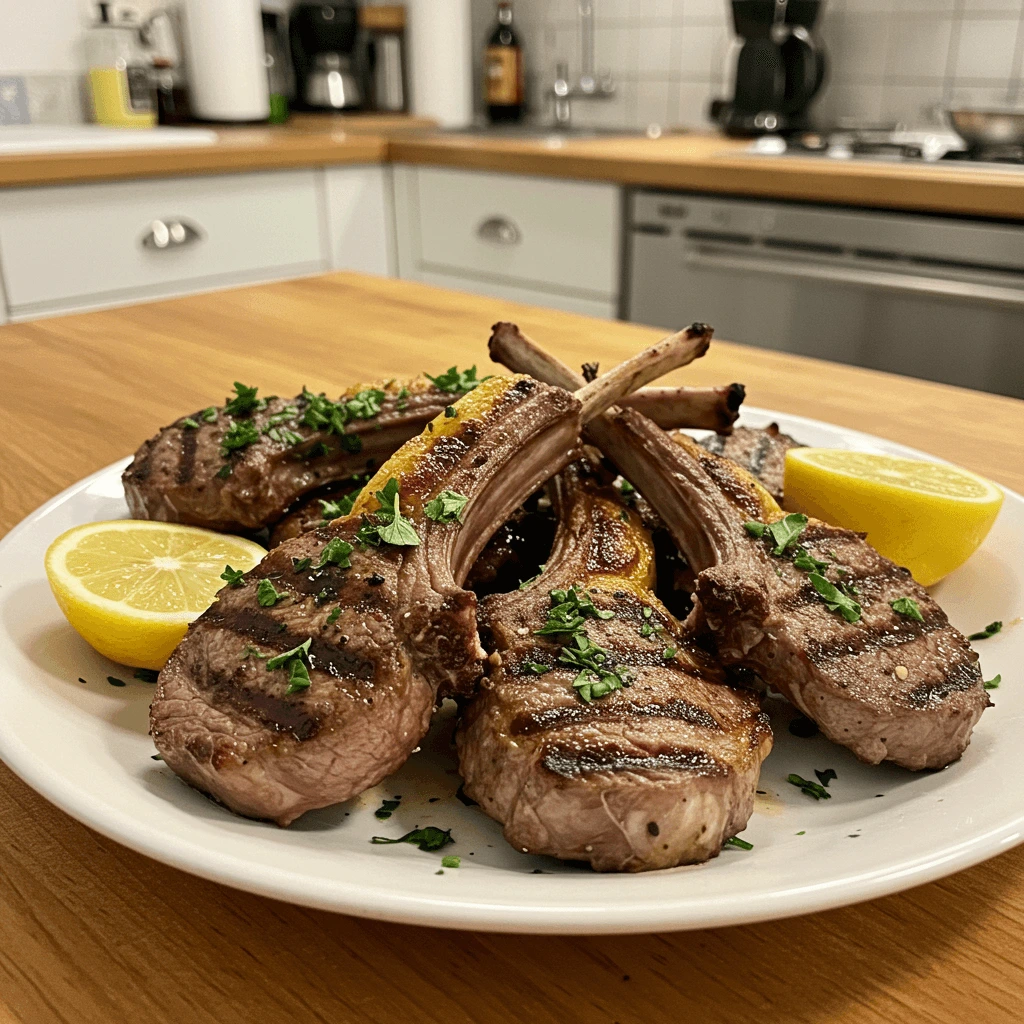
[
  {"x": 130, "y": 587},
  {"x": 926, "y": 516}
]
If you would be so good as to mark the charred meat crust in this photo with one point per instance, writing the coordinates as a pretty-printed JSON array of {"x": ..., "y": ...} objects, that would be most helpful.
[
  {"x": 577, "y": 780},
  {"x": 760, "y": 451},
  {"x": 385, "y": 632}
]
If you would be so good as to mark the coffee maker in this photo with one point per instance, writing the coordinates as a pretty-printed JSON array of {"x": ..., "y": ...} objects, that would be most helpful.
[
  {"x": 326, "y": 54},
  {"x": 779, "y": 69}
]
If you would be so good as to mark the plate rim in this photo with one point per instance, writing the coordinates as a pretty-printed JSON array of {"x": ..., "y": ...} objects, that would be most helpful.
[{"x": 447, "y": 910}]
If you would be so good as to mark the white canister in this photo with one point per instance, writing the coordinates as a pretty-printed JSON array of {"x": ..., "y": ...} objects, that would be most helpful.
[
  {"x": 226, "y": 70},
  {"x": 441, "y": 60}
]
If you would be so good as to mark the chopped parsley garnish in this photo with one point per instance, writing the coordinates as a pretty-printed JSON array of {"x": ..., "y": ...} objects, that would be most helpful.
[
  {"x": 387, "y": 525},
  {"x": 364, "y": 405},
  {"x": 323, "y": 414},
  {"x": 784, "y": 532},
  {"x": 450, "y": 412},
  {"x": 386, "y": 809},
  {"x": 428, "y": 839},
  {"x": 114, "y": 681},
  {"x": 335, "y": 552},
  {"x": 668, "y": 653},
  {"x": 598, "y": 676},
  {"x": 284, "y": 436},
  {"x": 804, "y": 560},
  {"x": 333, "y": 617},
  {"x": 993, "y": 683},
  {"x": 569, "y": 609},
  {"x": 826, "y": 776},
  {"x": 190, "y": 423},
  {"x": 267, "y": 595},
  {"x": 403, "y": 400},
  {"x": 287, "y": 413},
  {"x": 907, "y": 607},
  {"x": 224, "y": 472},
  {"x": 536, "y": 668},
  {"x": 626, "y": 489},
  {"x": 990, "y": 630},
  {"x": 301, "y": 564},
  {"x": 646, "y": 630},
  {"x": 447, "y": 507},
  {"x": 836, "y": 599},
  {"x": 209, "y": 414},
  {"x": 147, "y": 675},
  {"x": 294, "y": 662},
  {"x": 341, "y": 507},
  {"x": 740, "y": 844},
  {"x": 233, "y": 577},
  {"x": 239, "y": 435},
  {"x": 455, "y": 382},
  {"x": 525, "y": 583},
  {"x": 244, "y": 402},
  {"x": 812, "y": 789},
  {"x": 451, "y": 861}
]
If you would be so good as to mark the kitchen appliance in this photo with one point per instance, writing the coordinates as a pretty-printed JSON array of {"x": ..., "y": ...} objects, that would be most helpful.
[
  {"x": 385, "y": 26},
  {"x": 325, "y": 53},
  {"x": 119, "y": 74},
  {"x": 927, "y": 296},
  {"x": 779, "y": 68},
  {"x": 990, "y": 132},
  {"x": 226, "y": 73}
]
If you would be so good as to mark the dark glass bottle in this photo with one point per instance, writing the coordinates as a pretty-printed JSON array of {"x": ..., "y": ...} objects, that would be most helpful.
[{"x": 503, "y": 70}]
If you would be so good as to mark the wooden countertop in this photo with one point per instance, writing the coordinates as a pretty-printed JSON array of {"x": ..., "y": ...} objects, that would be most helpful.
[
  {"x": 695, "y": 162},
  {"x": 91, "y": 932}
]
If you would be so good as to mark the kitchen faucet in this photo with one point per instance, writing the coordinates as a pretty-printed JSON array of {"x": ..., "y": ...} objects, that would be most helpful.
[{"x": 589, "y": 87}]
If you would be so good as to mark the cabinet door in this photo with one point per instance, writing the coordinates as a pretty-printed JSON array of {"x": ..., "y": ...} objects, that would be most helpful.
[
  {"x": 552, "y": 236},
  {"x": 81, "y": 246},
  {"x": 360, "y": 219}
]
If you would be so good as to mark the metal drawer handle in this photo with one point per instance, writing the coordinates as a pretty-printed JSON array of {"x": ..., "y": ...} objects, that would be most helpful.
[
  {"x": 171, "y": 234},
  {"x": 500, "y": 230}
]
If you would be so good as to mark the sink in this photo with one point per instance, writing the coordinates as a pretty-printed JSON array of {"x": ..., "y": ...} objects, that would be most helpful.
[
  {"x": 550, "y": 131},
  {"x": 77, "y": 138}
]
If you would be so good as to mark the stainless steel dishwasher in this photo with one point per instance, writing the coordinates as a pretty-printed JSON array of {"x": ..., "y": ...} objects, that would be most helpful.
[{"x": 935, "y": 297}]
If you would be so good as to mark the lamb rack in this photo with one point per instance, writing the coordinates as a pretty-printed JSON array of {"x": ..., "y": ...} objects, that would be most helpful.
[
  {"x": 314, "y": 675},
  {"x": 847, "y": 636},
  {"x": 242, "y": 466},
  {"x": 645, "y": 759}
]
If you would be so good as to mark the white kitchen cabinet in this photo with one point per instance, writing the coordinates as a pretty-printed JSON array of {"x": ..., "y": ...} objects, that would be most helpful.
[
  {"x": 361, "y": 219},
  {"x": 65, "y": 248},
  {"x": 548, "y": 242}
]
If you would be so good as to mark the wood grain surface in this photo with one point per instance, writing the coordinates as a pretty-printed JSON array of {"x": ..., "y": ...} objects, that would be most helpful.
[{"x": 90, "y": 932}]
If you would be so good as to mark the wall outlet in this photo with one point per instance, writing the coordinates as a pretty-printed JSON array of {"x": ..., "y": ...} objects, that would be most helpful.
[{"x": 13, "y": 100}]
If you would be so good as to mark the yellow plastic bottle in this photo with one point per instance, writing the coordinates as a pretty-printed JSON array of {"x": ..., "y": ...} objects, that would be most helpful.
[{"x": 119, "y": 76}]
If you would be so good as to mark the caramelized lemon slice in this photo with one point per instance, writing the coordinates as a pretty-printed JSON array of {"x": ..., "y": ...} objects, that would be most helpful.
[
  {"x": 926, "y": 516},
  {"x": 130, "y": 588}
]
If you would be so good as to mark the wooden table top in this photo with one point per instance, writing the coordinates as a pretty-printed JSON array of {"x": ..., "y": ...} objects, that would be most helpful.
[{"x": 91, "y": 932}]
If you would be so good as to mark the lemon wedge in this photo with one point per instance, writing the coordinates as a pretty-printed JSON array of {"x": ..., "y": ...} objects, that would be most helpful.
[
  {"x": 926, "y": 516},
  {"x": 130, "y": 588}
]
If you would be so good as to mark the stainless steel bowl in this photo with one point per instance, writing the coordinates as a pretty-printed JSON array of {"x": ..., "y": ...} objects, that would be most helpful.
[{"x": 987, "y": 129}]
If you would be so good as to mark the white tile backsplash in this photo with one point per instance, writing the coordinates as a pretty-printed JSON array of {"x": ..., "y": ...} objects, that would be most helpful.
[{"x": 894, "y": 60}]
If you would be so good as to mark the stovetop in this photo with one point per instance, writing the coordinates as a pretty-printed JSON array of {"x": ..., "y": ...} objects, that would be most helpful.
[{"x": 897, "y": 145}]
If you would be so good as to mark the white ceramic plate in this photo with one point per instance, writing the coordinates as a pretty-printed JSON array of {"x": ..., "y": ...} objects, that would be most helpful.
[{"x": 85, "y": 747}]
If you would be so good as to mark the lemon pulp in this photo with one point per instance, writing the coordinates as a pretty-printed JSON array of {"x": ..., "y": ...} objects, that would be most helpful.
[
  {"x": 926, "y": 516},
  {"x": 130, "y": 588}
]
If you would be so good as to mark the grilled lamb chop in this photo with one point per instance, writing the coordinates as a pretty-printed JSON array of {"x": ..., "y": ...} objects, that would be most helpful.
[
  {"x": 315, "y": 676},
  {"x": 761, "y": 452},
  {"x": 654, "y": 775},
  {"x": 890, "y": 685},
  {"x": 289, "y": 449}
]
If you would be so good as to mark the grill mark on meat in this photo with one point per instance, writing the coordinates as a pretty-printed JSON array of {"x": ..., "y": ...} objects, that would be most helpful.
[
  {"x": 570, "y": 762},
  {"x": 734, "y": 489},
  {"x": 266, "y": 631},
  {"x": 962, "y": 676},
  {"x": 559, "y": 717},
  {"x": 276, "y": 713},
  {"x": 140, "y": 468},
  {"x": 764, "y": 446},
  {"x": 187, "y": 463}
]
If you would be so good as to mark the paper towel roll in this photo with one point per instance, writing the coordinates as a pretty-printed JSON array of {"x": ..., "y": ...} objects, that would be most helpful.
[
  {"x": 226, "y": 72},
  {"x": 441, "y": 60}
]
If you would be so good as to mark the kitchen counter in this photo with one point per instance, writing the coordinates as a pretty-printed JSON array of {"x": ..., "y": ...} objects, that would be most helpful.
[
  {"x": 696, "y": 162},
  {"x": 92, "y": 932}
]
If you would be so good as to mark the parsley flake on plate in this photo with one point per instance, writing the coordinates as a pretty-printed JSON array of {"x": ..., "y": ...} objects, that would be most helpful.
[
  {"x": 447, "y": 507},
  {"x": 428, "y": 839},
  {"x": 990, "y": 630},
  {"x": 812, "y": 789},
  {"x": 740, "y": 844},
  {"x": 993, "y": 683},
  {"x": 386, "y": 809}
]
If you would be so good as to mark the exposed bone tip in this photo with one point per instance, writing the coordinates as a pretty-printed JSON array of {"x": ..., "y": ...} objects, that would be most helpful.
[{"x": 735, "y": 396}]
